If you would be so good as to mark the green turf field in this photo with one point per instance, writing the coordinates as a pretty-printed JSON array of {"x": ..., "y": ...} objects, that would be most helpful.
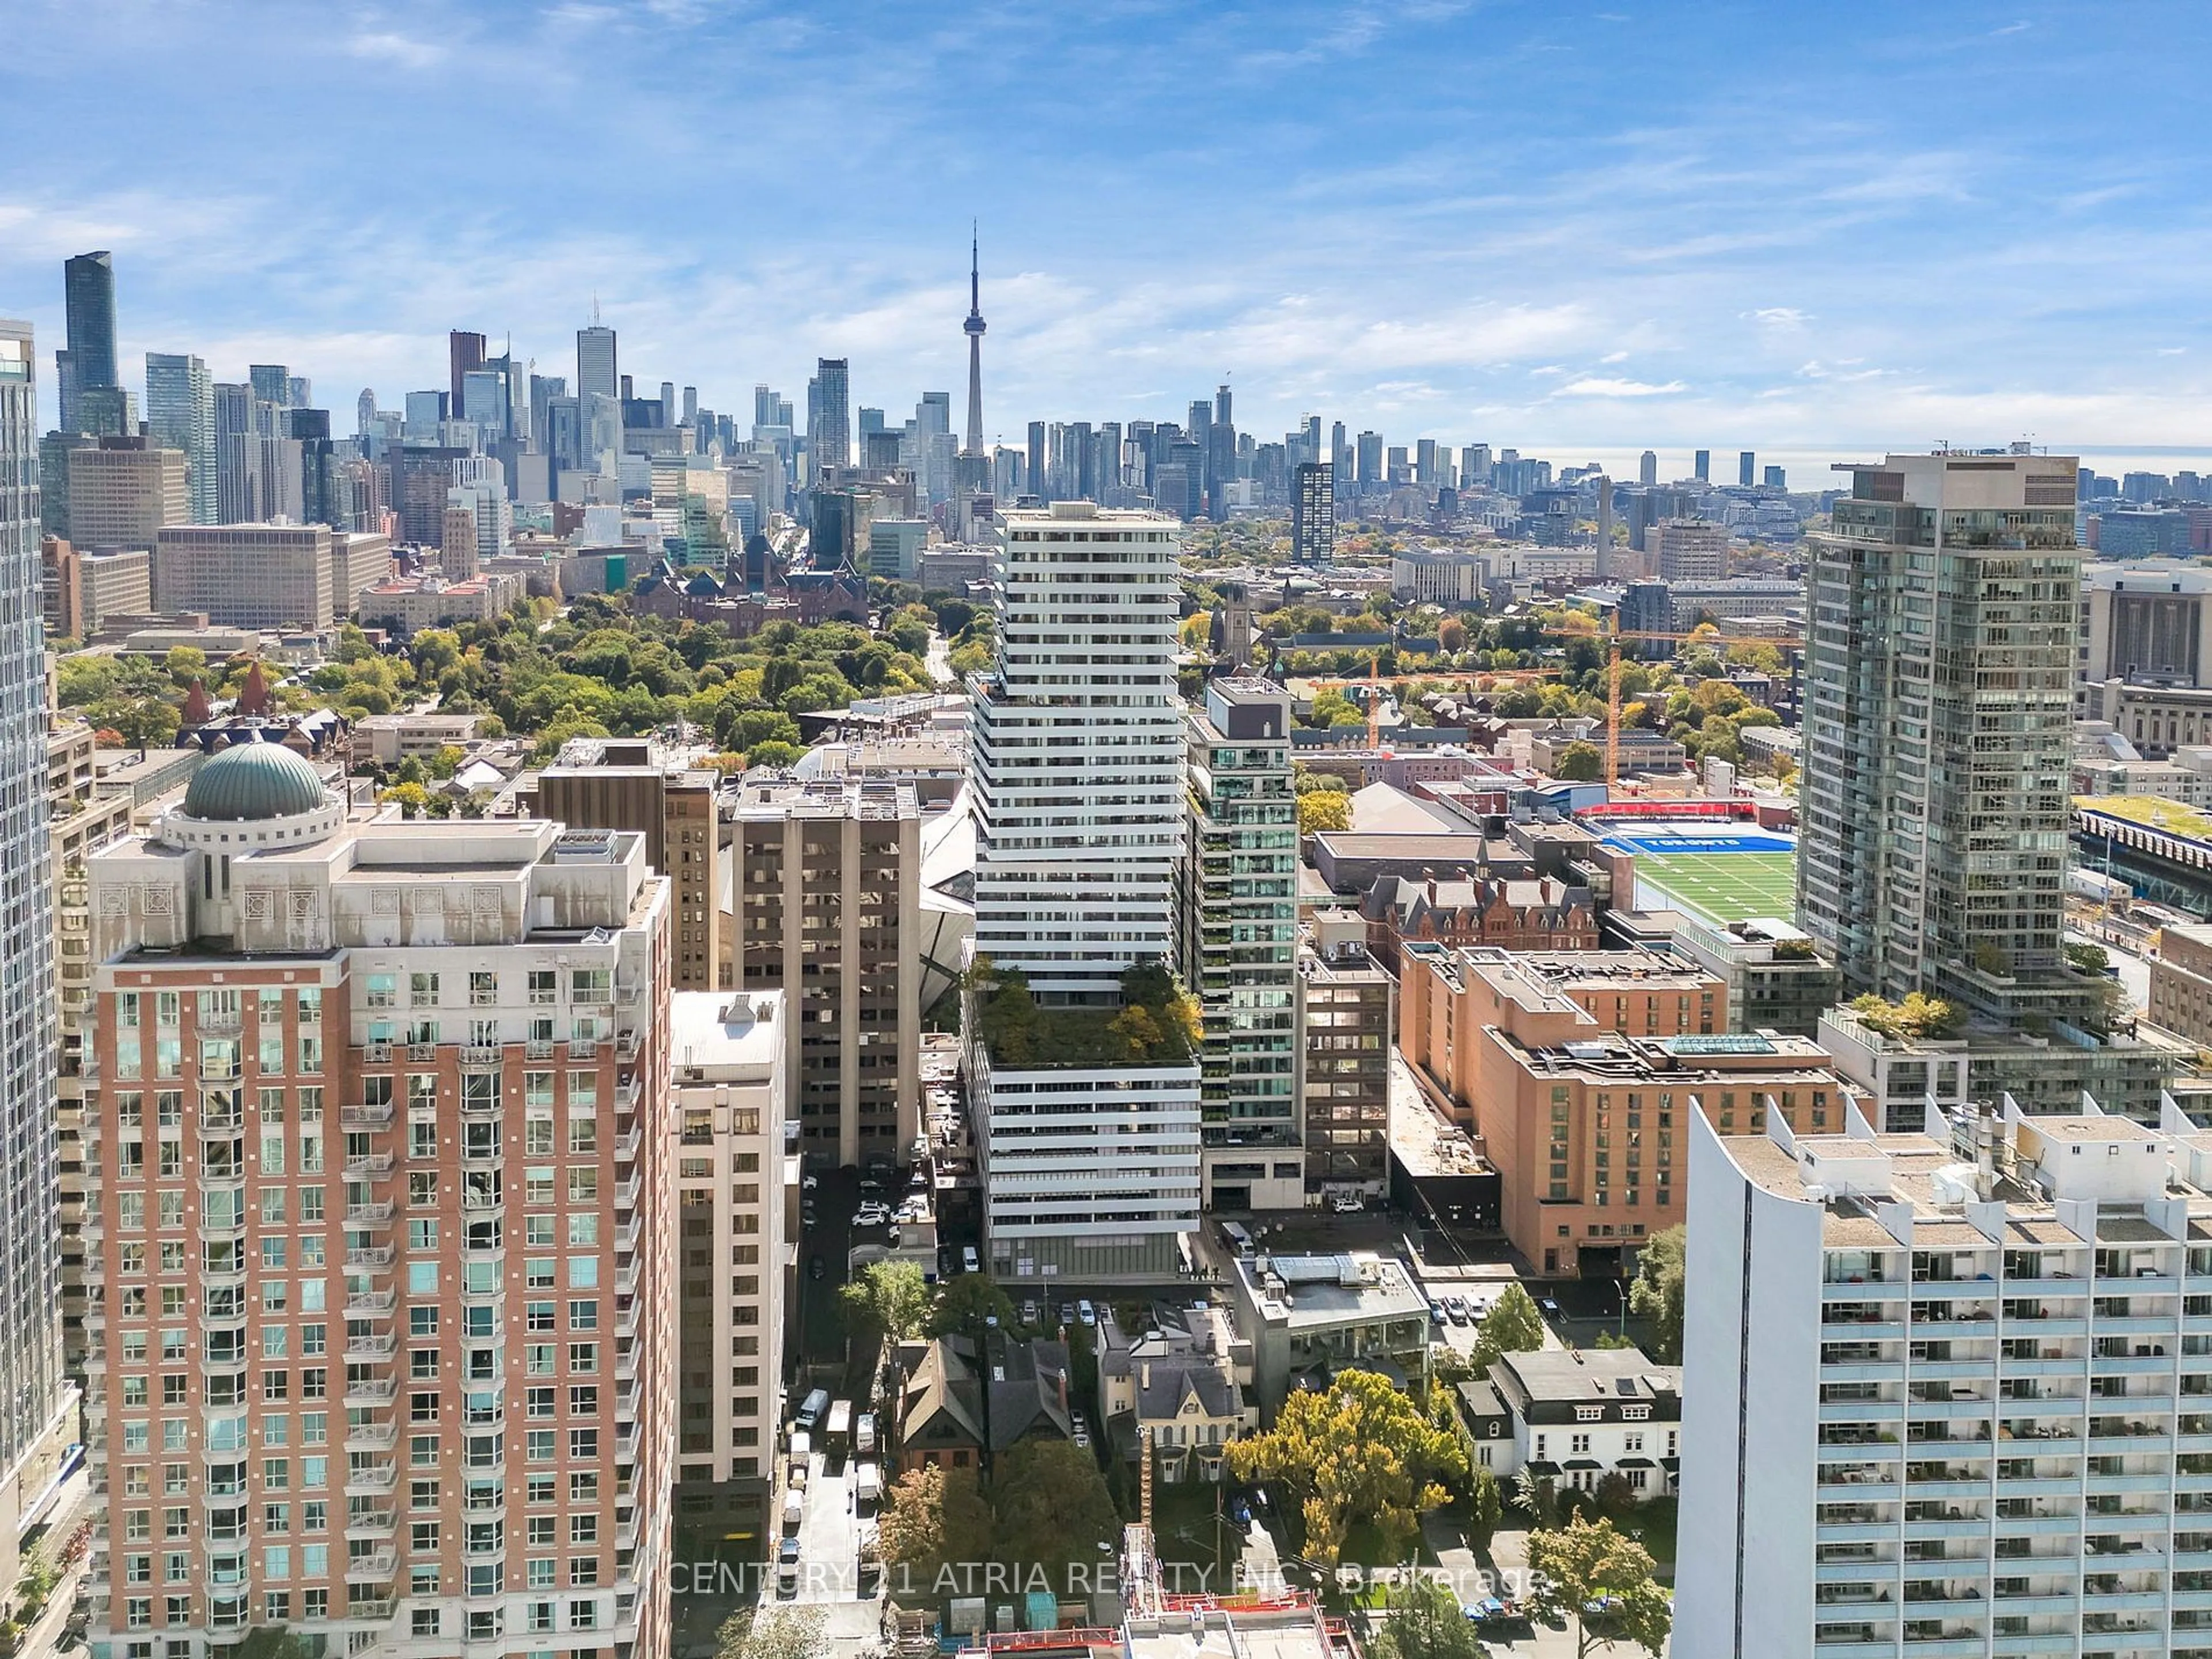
[{"x": 1722, "y": 887}]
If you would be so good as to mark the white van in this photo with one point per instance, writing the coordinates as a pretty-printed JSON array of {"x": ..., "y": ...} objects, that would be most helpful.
[
  {"x": 968, "y": 1262},
  {"x": 794, "y": 1509}
]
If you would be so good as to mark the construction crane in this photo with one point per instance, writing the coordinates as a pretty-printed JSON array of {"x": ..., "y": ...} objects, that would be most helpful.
[{"x": 1615, "y": 635}]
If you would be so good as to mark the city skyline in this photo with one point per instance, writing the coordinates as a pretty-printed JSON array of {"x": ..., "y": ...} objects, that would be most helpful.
[{"x": 1703, "y": 227}]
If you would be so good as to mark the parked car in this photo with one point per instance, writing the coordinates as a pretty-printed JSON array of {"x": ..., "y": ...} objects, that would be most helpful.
[
  {"x": 1436, "y": 1314},
  {"x": 1456, "y": 1307},
  {"x": 1346, "y": 1204},
  {"x": 1087, "y": 1313},
  {"x": 810, "y": 1183},
  {"x": 1032, "y": 1314},
  {"x": 871, "y": 1215},
  {"x": 1079, "y": 1430},
  {"x": 1067, "y": 1313}
]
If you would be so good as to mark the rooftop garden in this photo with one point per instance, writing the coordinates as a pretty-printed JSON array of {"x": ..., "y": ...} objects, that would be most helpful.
[
  {"x": 1919, "y": 1018},
  {"x": 1157, "y": 1024}
]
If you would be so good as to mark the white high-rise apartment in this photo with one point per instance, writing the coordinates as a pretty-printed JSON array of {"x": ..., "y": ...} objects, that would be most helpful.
[
  {"x": 1090, "y": 1164},
  {"x": 1079, "y": 750},
  {"x": 36, "y": 1404},
  {"x": 1948, "y": 1394},
  {"x": 378, "y": 1229},
  {"x": 1943, "y": 609}
]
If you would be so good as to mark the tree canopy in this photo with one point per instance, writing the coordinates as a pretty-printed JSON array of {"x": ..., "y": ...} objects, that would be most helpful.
[
  {"x": 933, "y": 1517},
  {"x": 773, "y": 1633},
  {"x": 1510, "y": 1325},
  {"x": 1425, "y": 1622},
  {"x": 889, "y": 1298},
  {"x": 1591, "y": 1562},
  {"x": 1324, "y": 810},
  {"x": 1656, "y": 1294},
  {"x": 1361, "y": 1450}
]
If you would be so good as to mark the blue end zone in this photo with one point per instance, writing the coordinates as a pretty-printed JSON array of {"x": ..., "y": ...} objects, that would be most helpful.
[{"x": 1663, "y": 845}]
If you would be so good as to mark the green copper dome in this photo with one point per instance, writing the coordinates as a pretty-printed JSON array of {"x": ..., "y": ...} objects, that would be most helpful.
[{"x": 252, "y": 782}]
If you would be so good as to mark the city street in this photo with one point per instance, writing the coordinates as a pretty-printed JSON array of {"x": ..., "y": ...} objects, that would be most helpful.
[{"x": 829, "y": 1535}]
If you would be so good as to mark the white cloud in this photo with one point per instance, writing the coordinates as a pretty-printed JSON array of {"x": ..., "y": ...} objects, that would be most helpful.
[
  {"x": 1600, "y": 386},
  {"x": 388, "y": 47},
  {"x": 1779, "y": 316}
]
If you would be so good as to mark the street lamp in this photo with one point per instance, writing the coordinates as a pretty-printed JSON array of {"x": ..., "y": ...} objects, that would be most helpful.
[{"x": 1622, "y": 1286}]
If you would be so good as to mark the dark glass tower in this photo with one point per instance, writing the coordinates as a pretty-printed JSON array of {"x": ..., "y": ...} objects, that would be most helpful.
[{"x": 89, "y": 301}]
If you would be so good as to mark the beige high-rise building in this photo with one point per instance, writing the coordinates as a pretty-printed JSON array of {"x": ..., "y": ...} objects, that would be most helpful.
[
  {"x": 1687, "y": 550},
  {"x": 123, "y": 492},
  {"x": 80, "y": 821},
  {"x": 248, "y": 575},
  {"x": 735, "y": 1184},
  {"x": 359, "y": 560},
  {"x": 378, "y": 1230},
  {"x": 826, "y": 880},
  {"x": 621, "y": 783},
  {"x": 79, "y": 591}
]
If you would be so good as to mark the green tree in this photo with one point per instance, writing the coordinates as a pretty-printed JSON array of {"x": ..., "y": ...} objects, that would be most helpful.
[
  {"x": 1579, "y": 763},
  {"x": 1486, "y": 1507},
  {"x": 184, "y": 664},
  {"x": 965, "y": 1304},
  {"x": 144, "y": 723},
  {"x": 1360, "y": 1450},
  {"x": 1591, "y": 1562},
  {"x": 2087, "y": 958},
  {"x": 1511, "y": 1325},
  {"x": 1656, "y": 1294},
  {"x": 1324, "y": 809},
  {"x": 933, "y": 1517},
  {"x": 413, "y": 799},
  {"x": 773, "y": 753},
  {"x": 773, "y": 1632},
  {"x": 1919, "y": 1015},
  {"x": 890, "y": 1298},
  {"x": 1050, "y": 1506},
  {"x": 1425, "y": 1622},
  {"x": 1332, "y": 708}
]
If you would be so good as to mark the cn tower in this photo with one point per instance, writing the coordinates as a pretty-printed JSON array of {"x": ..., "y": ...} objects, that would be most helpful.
[{"x": 975, "y": 327}]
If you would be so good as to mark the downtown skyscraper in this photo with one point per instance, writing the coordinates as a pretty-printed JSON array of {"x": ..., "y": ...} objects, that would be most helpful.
[
  {"x": 829, "y": 430},
  {"x": 180, "y": 409},
  {"x": 88, "y": 363},
  {"x": 32, "y": 1392}
]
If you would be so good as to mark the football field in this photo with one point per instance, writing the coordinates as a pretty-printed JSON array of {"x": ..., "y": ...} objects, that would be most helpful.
[{"x": 1722, "y": 887}]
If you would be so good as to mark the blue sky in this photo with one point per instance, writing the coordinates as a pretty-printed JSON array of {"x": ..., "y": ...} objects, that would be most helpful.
[{"x": 1577, "y": 230}]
